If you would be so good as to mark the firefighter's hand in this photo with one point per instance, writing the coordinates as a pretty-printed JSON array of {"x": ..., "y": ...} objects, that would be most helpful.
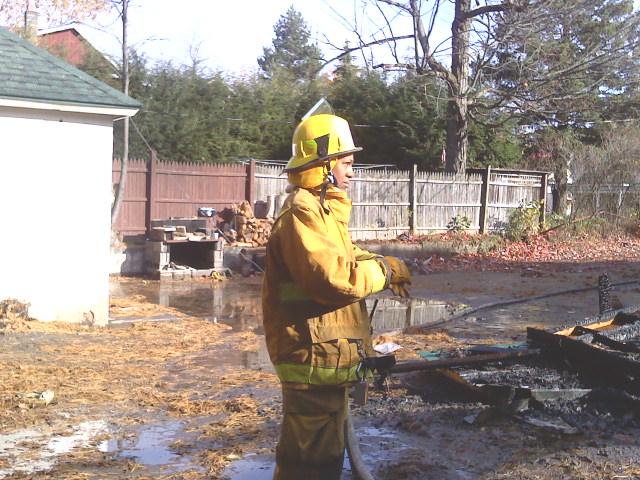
[{"x": 398, "y": 275}]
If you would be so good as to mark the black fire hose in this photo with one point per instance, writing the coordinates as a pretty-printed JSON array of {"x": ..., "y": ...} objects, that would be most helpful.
[
  {"x": 486, "y": 306},
  {"x": 382, "y": 366}
]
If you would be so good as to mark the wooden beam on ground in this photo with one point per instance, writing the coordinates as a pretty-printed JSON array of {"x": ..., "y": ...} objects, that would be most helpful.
[
  {"x": 587, "y": 358},
  {"x": 418, "y": 365}
]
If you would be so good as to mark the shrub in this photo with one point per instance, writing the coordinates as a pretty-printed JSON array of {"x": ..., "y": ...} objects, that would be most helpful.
[
  {"x": 524, "y": 222},
  {"x": 458, "y": 223},
  {"x": 554, "y": 220}
]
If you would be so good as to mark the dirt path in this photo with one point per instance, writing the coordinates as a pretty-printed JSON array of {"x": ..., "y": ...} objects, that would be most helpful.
[{"x": 180, "y": 388}]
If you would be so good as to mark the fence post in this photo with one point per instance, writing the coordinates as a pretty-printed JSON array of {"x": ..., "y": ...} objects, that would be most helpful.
[
  {"x": 250, "y": 189},
  {"x": 484, "y": 200},
  {"x": 413, "y": 200},
  {"x": 543, "y": 199},
  {"x": 150, "y": 207}
]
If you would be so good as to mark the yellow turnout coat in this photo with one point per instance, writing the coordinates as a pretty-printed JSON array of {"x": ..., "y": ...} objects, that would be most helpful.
[{"x": 316, "y": 323}]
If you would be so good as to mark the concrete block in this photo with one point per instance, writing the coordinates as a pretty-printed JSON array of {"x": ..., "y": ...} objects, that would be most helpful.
[
  {"x": 164, "y": 259},
  {"x": 131, "y": 260},
  {"x": 181, "y": 274},
  {"x": 218, "y": 259},
  {"x": 158, "y": 247}
]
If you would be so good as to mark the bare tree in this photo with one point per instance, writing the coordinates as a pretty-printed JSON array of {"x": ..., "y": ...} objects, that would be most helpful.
[
  {"x": 498, "y": 62},
  {"x": 560, "y": 152},
  {"x": 605, "y": 174},
  {"x": 471, "y": 31},
  {"x": 12, "y": 12}
]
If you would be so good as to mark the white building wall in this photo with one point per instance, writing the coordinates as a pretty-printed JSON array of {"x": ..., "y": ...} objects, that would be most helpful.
[{"x": 55, "y": 199}]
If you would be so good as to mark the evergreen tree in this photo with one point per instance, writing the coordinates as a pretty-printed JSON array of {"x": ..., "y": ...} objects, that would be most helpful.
[
  {"x": 419, "y": 117},
  {"x": 396, "y": 122},
  {"x": 495, "y": 146},
  {"x": 292, "y": 50},
  {"x": 572, "y": 65},
  {"x": 346, "y": 67},
  {"x": 270, "y": 109},
  {"x": 139, "y": 77}
]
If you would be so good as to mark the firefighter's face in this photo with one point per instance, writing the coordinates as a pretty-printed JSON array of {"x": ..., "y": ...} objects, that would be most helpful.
[{"x": 343, "y": 171}]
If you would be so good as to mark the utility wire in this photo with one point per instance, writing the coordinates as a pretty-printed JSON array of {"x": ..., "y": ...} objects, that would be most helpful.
[{"x": 141, "y": 135}]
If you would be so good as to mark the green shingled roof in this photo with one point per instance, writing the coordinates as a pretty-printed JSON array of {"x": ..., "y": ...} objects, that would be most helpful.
[{"x": 30, "y": 73}]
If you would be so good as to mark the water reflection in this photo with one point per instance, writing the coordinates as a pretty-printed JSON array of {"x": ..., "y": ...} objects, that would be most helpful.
[
  {"x": 152, "y": 447},
  {"x": 237, "y": 303},
  {"x": 251, "y": 467},
  {"x": 26, "y": 452},
  {"x": 396, "y": 314},
  {"x": 258, "y": 360}
]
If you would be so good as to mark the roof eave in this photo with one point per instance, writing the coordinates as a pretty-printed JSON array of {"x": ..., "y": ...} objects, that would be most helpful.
[{"x": 110, "y": 110}]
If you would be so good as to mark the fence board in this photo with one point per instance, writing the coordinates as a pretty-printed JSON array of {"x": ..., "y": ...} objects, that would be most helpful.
[
  {"x": 179, "y": 189},
  {"x": 270, "y": 181},
  {"x": 506, "y": 192},
  {"x": 443, "y": 196},
  {"x": 381, "y": 201},
  {"x": 131, "y": 219},
  {"x": 382, "y": 207}
]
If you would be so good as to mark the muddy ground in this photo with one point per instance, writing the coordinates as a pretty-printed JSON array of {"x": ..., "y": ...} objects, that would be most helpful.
[{"x": 179, "y": 385}]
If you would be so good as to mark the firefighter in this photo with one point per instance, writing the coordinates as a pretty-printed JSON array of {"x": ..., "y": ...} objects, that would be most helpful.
[{"x": 315, "y": 319}]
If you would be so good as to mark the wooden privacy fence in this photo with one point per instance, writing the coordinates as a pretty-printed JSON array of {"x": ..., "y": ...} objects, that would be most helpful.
[
  {"x": 386, "y": 202},
  {"x": 389, "y": 202},
  {"x": 159, "y": 190}
]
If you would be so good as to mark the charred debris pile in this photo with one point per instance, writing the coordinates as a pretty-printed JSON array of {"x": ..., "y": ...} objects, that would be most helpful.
[{"x": 567, "y": 380}]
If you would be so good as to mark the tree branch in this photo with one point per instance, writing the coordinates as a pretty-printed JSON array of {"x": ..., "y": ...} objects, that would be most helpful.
[
  {"x": 368, "y": 44},
  {"x": 476, "y": 12},
  {"x": 397, "y": 5}
]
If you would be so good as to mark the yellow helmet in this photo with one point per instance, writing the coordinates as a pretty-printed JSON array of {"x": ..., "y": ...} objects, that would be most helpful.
[{"x": 318, "y": 138}]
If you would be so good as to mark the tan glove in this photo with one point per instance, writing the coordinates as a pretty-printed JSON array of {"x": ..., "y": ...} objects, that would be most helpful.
[{"x": 398, "y": 275}]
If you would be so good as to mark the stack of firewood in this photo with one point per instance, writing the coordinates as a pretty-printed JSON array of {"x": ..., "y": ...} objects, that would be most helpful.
[{"x": 250, "y": 231}]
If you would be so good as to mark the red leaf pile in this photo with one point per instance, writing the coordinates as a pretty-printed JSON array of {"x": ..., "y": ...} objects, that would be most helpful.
[{"x": 540, "y": 252}]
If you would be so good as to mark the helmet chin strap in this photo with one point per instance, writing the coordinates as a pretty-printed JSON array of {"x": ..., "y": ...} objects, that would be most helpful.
[{"x": 329, "y": 179}]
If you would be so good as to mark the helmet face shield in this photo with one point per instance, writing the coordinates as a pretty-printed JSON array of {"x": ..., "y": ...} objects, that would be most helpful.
[
  {"x": 318, "y": 138},
  {"x": 321, "y": 106}
]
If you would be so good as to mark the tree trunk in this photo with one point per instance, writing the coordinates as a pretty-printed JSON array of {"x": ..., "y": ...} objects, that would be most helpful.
[
  {"x": 560, "y": 191},
  {"x": 458, "y": 103},
  {"x": 117, "y": 202},
  {"x": 457, "y": 139}
]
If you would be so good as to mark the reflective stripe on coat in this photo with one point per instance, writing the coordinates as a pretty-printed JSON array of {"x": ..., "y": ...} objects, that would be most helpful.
[{"x": 316, "y": 323}]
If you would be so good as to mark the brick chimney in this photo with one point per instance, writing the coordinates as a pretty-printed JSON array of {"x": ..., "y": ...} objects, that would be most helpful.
[{"x": 30, "y": 23}]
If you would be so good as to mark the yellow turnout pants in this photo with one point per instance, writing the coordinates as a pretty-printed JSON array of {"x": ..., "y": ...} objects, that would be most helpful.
[{"x": 312, "y": 437}]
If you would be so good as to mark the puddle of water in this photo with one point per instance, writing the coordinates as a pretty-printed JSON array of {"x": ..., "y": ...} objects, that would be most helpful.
[
  {"x": 257, "y": 467},
  {"x": 258, "y": 360},
  {"x": 234, "y": 303},
  {"x": 376, "y": 432},
  {"x": 375, "y": 443},
  {"x": 251, "y": 467},
  {"x": 31, "y": 451},
  {"x": 238, "y": 303},
  {"x": 151, "y": 447},
  {"x": 393, "y": 314}
]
